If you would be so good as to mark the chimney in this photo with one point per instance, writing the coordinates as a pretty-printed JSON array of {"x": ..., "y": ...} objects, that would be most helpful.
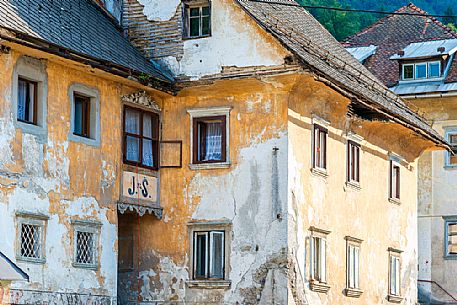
[
  {"x": 441, "y": 49},
  {"x": 401, "y": 53}
]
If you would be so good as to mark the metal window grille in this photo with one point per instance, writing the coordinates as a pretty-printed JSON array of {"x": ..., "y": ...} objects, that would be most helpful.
[
  {"x": 85, "y": 250},
  {"x": 30, "y": 241}
]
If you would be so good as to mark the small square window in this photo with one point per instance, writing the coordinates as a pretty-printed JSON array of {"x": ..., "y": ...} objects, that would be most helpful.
[
  {"x": 27, "y": 103},
  {"x": 197, "y": 20},
  {"x": 320, "y": 147},
  {"x": 434, "y": 69},
  {"x": 421, "y": 71},
  {"x": 353, "y": 162},
  {"x": 408, "y": 72},
  {"x": 86, "y": 237},
  {"x": 82, "y": 114},
  {"x": 141, "y": 138},
  {"x": 451, "y": 238},
  {"x": 209, "y": 262},
  {"x": 394, "y": 180},
  {"x": 31, "y": 237},
  {"x": 209, "y": 135}
]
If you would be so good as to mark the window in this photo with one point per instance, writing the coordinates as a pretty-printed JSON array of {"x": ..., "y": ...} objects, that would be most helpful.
[
  {"x": 353, "y": 162},
  {"x": 320, "y": 147},
  {"x": 31, "y": 237},
  {"x": 394, "y": 276},
  {"x": 394, "y": 180},
  {"x": 353, "y": 267},
  {"x": 451, "y": 157},
  {"x": 27, "y": 99},
  {"x": 86, "y": 236},
  {"x": 209, "y": 139},
  {"x": 451, "y": 238},
  {"x": 197, "y": 19},
  {"x": 318, "y": 260},
  {"x": 82, "y": 116},
  {"x": 423, "y": 70},
  {"x": 209, "y": 255},
  {"x": 141, "y": 138},
  {"x": 85, "y": 115}
]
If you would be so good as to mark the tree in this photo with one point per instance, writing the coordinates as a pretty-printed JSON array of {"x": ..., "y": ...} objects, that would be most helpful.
[{"x": 449, "y": 12}]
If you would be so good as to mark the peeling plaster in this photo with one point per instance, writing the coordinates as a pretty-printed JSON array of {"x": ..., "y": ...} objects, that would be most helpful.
[{"x": 159, "y": 10}]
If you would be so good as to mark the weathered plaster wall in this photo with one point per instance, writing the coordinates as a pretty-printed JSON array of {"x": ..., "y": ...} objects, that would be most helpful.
[
  {"x": 4, "y": 292},
  {"x": 328, "y": 203},
  {"x": 243, "y": 194},
  {"x": 156, "y": 28},
  {"x": 64, "y": 181},
  {"x": 436, "y": 200}
]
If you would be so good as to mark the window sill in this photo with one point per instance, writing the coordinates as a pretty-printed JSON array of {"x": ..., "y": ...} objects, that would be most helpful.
[
  {"x": 38, "y": 261},
  {"x": 195, "y": 37},
  {"x": 80, "y": 139},
  {"x": 321, "y": 172},
  {"x": 353, "y": 292},
  {"x": 85, "y": 266},
  {"x": 450, "y": 167},
  {"x": 39, "y": 131},
  {"x": 394, "y": 298},
  {"x": 450, "y": 257},
  {"x": 209, "y": 284},
  {"x": 203, "y": 166},
  {"x": 353, "y": 185},
  {"x": 318, "y": 286},
  {"x": 395, "y": 201}
]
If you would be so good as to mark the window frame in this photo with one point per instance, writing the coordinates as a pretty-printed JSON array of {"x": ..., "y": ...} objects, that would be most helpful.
[
  {"x": 187, "y": 6},
  {"x": 450, "y": 131},
  {"x": 427, "y": 70},
  {"x": 156, "y": 153},
  {"x": 318, "y": 257},
  {"x": 85, "y": 118},
  {"x": 320, "y": 130},
  {"x": 394, "y": 295},
  {"x": 353, "y": 274},
  {"x": 39, "y": 220},
  {"x": 394, "y": 165},
  {"x": 34, "y": 120},
  {"x": 208, "y": 255},
  {"x": 91, "y": 227},
  {"x": 197, "y": 139},
  {"x": 449, "y": 220},
  {"x": 353, "y": 170}
]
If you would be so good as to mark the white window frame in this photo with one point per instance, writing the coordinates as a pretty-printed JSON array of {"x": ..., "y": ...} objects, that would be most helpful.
[
  {"x": 39, "y": 220},
  {"x": 393, "y": 163},
  {"x": 91, "y": 227},
  {"x": 321, "y": 124},
  {"x": 353, "y": 250},
  {"x": 448, "y": 131},
  {"x": 395, "y": 278},
  {"x": 449, "y": 220},
  {"x": 427, "y": 67},
  {"x": 318, "y": 255},
  {"x": 208, "y": 228},
  {"x": 210, "y": 112},
  {"x": 32, "y": 69},
  {"x": 94, "y": 96},
  {"x": 197, "y": 4}
]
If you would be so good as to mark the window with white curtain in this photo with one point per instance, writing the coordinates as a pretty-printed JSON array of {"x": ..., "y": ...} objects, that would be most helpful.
[
  {"x": 209, "y": 136},
  {"x": 141, "y": 138}
]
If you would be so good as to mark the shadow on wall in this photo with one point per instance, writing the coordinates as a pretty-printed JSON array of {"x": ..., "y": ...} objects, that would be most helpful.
[{"x": 425, "y": 297}]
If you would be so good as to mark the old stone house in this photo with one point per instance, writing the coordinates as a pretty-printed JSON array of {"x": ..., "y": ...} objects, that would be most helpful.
[
  {"x": 418, "y": 63},
  {"x": 244, "y": 175}
]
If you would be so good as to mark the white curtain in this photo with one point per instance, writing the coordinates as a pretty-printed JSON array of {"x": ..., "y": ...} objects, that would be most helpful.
[
  {"x": 132, "y": 125},
  {"x": 148, "y": 158},
  {"x": 21, "y": 100},
  {"x": 213, "y": 141}
]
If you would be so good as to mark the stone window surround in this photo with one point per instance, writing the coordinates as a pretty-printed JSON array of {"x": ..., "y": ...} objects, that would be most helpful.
[
  {"x": 448, "y": 130},
  {"x": 324, "y": 124},
  {"x": 394, "y": 160},
  {"x": 316, "y": 285},
  {"x": 352, "y": 292},
  {"x": 32, "y": 219},
  {"x": 448, "y": 220},
  {"x": 35, "y": 70},
  {"x": 393, "y": 252},
  {"x": 210, "y": 112},
  {"x": 88, "y": 226},
  {"x": 94, "y": 95},
  {"x": 222, "y": 225}
]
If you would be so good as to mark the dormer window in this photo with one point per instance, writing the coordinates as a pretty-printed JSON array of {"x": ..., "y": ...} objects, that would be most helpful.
[
  {"x": 422, "y": 70},
  {"x": 197, "y": 19}
]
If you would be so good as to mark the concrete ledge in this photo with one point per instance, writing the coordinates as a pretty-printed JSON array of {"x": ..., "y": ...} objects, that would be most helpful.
[
  {"x": 319, "y": 287},
  {"x": 209, "y": 284},
  {"x": 353, "y": 292},
  {"x": 204, "y": 166},
  {"x": 394, "y": 298}
]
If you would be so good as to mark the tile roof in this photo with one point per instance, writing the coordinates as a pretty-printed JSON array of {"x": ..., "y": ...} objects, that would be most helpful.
[
  {"x": 9, "y": 271},
  {"x": 80, "y": 26},
  {"x": 394, "y": 33},
  {"x": 318, "y": 50}
]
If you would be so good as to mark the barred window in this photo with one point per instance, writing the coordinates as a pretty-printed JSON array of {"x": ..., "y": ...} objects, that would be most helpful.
[
  {"x": 85, "y": 248},
  {"x": 86, "y": 238},
  {"x": 31, "y": 241}
]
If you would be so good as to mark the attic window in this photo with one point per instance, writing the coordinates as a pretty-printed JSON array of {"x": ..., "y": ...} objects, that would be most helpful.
[
  {"x": 197, "y": 19},
  {"x": 422, "y": 70}
]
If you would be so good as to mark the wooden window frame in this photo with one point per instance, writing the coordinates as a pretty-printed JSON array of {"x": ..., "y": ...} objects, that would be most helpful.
[
  {"x": 427, "y": 70},
  {"x": 34, "y": 120},
  {"x": 187, "y": 6},
  {"x": 197, "y": 140},
  {"x": 353, "y": 162},
  {"x": 317, "y": 146},
  {"x": 208, "y": 276},
  {"x": 450, "y": 220},
  {"x": 155, "y": 140},
  {"x": 86, "y": 115},
  {"x": 395, "y": 168}
]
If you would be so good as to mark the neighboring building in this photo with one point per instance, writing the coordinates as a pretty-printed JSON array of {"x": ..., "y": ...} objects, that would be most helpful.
[
  {"x": 64, "y": 67},
  {"x": 415, "y": 55},
  {"x": 9, "y": 272}
]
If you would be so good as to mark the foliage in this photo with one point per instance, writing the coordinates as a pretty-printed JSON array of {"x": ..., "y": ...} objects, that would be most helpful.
[{"x": 343, "y": 24}]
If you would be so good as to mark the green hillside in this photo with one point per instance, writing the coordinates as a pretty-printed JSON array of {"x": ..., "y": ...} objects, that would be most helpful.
[{"x": 344, "y": 24}]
